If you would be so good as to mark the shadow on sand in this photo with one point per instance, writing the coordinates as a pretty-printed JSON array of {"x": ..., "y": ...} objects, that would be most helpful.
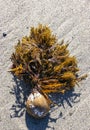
[{"x": 22, "y": 90}]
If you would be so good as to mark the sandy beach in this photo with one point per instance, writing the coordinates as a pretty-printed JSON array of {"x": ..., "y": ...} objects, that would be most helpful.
[{"x": 69, "y": 20}]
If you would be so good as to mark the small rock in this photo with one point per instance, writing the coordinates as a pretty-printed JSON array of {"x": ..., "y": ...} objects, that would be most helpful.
[{"x": 4, "y": 34}]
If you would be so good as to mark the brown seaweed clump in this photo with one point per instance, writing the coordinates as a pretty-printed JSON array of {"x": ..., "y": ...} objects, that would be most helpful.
[{"x": 44, "y": 63}]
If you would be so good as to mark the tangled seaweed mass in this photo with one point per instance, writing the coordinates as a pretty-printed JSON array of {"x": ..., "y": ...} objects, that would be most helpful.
[{"x": 44, "y": 63}]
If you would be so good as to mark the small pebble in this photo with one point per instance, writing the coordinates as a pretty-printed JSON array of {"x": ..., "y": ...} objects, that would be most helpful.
[{"x": 4, "y": 34}]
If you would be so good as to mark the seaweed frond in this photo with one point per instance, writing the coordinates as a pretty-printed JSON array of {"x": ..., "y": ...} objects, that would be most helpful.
[{"x": 42, "y": 61}]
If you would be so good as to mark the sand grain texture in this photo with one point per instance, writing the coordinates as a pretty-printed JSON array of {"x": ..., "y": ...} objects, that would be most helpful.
[{"x": 69, "y": 19}]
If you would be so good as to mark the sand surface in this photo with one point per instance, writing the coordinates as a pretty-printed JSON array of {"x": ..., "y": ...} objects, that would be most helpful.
[{"x": 69, "y": 19}]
